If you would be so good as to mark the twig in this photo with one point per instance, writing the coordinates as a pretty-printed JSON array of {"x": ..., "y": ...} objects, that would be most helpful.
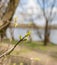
[{"x": 10, "y": 50}]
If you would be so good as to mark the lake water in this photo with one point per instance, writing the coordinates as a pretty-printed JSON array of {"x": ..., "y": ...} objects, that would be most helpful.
[{"x": 35, "y": 37}]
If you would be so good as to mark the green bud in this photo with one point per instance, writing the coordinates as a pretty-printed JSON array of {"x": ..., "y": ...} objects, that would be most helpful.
[
  {"x": 28, "y": 34},
  {"x": 20, "y": 37},
  {"x": 26, "y": 39}
]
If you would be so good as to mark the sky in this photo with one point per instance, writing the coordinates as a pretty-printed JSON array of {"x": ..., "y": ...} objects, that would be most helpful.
[{"x": 33, "y": 7}]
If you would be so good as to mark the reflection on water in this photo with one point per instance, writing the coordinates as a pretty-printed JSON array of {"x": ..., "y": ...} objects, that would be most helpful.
[{"x": 34, "y": 35}]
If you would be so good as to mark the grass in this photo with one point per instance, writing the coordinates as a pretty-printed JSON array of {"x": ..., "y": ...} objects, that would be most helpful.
[
  {"x": 38, "y": 45},
  {"x": 34, "y": 49},
  {"x": 35, "y": 46}
]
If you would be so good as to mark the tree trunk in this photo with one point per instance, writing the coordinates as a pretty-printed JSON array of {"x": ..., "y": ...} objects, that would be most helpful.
[
  {"x": 7, "y": 16},
  {"x": 46, "y": 35}
]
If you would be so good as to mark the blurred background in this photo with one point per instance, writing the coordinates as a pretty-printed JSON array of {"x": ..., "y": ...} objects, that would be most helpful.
[
  {"x": 17, "y": 18},
  {"x": 29, "y": 16}
]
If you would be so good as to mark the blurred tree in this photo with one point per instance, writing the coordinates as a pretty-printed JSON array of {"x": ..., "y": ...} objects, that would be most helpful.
[
  {"x": 48, "y": 16},
  {"x": 45, "y": 7},
  {"x": 7, "y": 9}
]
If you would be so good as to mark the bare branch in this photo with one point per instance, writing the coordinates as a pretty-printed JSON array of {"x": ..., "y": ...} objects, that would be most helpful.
[
  {"x": 43, "y": 8},
  {"x": 53, "y": 4}
]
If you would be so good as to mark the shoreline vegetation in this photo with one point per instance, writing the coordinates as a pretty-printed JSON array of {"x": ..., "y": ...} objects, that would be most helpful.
[
  {"x": 33, "y": 26},
  {"x": 34, "y": 45}
]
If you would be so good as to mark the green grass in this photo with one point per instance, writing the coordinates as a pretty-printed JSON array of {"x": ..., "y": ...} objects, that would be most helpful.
[
  {"x": 35, "y": 45},
  {"x": 32, "y": 45}
]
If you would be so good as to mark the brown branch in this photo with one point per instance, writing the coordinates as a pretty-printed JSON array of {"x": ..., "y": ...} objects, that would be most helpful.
[
  {"x": 10, "y": 50},
  {"x": 9, "y": 14},
  {"x": 4, "y": 25}
]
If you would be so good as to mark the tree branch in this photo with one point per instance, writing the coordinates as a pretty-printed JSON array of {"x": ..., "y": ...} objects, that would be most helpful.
[
  {"x": 10, "y": 50},
  {"x": 53, "y": 4}
]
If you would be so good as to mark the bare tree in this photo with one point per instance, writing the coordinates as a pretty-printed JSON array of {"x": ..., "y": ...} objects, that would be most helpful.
[
  {"x": 48, "y": 16},
  {"x": 7, "y": 15}
]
